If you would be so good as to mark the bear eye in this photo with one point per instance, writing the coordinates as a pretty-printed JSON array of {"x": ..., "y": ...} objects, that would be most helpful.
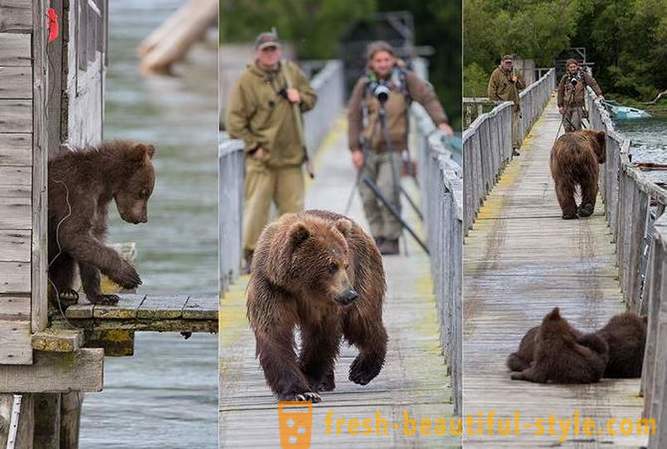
[{"x": 333, "y": 268}]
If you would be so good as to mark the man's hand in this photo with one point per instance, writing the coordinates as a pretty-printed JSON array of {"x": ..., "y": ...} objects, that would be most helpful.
[
  {"x": 293, "y": 95},
  {"x": 514, "y": 78},
  {"x": 358, "y": 159},
  {"x": 258, "y": 153},
  {"x": 446, "y": 129},
  {"x": 561, "y": 109}
]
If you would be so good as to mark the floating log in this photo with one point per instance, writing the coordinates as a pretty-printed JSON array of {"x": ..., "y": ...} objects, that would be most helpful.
[{"x": 171, "y": 41}]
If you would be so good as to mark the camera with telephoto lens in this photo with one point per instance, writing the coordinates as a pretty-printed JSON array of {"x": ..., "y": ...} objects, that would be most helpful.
[
  {"x": 574, "y": 81},
  {"x": 380, "y": 91}
]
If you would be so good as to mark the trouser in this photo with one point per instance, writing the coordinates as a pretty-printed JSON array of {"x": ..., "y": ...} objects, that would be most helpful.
[
  {"x": 572, "y": 118},
  {"x": 264, "y": 185},
  {"x": 516, "y": 128},
  {"x": 378, "y": 168}
]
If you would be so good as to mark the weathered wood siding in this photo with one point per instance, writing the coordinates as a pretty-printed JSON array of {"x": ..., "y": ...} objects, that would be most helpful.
[{"x": 16, "y": 180}]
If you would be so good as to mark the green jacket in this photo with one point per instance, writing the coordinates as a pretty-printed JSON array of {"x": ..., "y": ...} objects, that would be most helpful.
[
  {"x": 261, "y": 117},
  {"x": 501, "y": 87}
]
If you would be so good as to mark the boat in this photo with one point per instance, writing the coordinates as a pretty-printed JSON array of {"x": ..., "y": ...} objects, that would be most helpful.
[{"x": 620, "y": 112}]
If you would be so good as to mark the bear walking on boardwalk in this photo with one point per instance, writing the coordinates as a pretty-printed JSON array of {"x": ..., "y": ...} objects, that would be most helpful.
[
  {"x": 81, "y": 185},
  {"x": 320, "y": 272},
  {"x": 562, "y": 357},
  {"x": 574, "y": 162},
  {"x": 625, "y": 335}
]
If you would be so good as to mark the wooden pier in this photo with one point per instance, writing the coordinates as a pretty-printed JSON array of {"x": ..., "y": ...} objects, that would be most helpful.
[
  {"x": 413, "y": 381},
  {"x": 521, "y": 260}
]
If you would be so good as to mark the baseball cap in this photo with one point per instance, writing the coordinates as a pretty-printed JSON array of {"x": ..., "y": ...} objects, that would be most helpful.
[{"x": 267, "y": 39}]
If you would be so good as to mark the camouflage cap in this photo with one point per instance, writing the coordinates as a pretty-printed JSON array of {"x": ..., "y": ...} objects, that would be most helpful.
[
  {"x": 265, "y": 40},
  {"x": 507, "y": 57}
]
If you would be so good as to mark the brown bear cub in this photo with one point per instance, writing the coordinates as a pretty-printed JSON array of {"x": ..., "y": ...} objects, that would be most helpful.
[
  {"x": 321, "y": 273},
  {"x": 574, "y": 162},
  {"x": 562, "y": 355},
  {"x": 626, "y": 336},
  {"x": 82, "y": 183}
]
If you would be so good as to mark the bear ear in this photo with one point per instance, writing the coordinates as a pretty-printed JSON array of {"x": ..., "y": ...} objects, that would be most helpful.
[
  {"x": 344, "y": 226},
  {"x": 298, "y": 233},
  {"x": 554, "y": 314},
  {"x": 139, "y": 151}
]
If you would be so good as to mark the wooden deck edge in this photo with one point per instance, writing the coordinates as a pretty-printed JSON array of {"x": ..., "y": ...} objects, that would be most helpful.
[{"x": 57, "y": 339}]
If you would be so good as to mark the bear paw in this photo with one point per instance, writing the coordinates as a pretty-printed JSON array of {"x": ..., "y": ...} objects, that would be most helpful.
[
  {"x": 325, "y": 384},
  {"x": 569, "y": 216},
  {"x": 585, "y": 210},
  {"x": 68, "y": 297},
  {"x": 517, "y": 375},
  {"x": 363, "y": 370},
  {"x": 306, "y": 396},
  {"x": 126, "y": 276},
  {"x": 104, "y": 300}
]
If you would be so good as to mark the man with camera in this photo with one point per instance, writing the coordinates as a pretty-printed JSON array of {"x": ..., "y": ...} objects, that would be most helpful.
[
  {"x": 572, "y": 94},
  {"x": 505, "y": 85},
  {"x": 378, "y": 131},
  {"x": 260, "y": 113}
]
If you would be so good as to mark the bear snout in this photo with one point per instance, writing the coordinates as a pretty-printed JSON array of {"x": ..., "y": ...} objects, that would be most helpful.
[{"x": 347, "y": 297}]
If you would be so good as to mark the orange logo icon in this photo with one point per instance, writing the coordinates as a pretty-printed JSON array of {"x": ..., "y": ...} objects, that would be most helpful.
[{"x": 295, "y": 421}]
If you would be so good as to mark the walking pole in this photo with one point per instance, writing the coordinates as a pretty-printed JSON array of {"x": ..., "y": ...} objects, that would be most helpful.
[{"x": 299, "y": 124}]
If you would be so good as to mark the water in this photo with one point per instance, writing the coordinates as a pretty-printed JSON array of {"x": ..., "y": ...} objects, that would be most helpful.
[
  {"x": 166, "y": 395},
  {"x": 649, "y": 142}
]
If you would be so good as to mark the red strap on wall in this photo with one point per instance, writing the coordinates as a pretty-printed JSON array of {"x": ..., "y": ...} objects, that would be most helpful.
[{"x": 53, "y": 24}]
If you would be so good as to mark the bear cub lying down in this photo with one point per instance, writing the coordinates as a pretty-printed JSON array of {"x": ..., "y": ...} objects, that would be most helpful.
[
  {"x": 82, "y": 183},
  {"x": 321, "y": 273},
  {"x": 624, "y": 336}
]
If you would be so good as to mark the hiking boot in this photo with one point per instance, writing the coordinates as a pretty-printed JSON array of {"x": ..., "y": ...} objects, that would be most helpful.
[
  {"x": 389, "y": 247},
  {"x": 247, "y": 256}
]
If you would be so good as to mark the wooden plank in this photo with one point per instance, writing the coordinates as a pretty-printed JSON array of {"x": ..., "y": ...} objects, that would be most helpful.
[
  {"x": 16, "y": 149},
  {"x": 162, "y": 307},
  {"x": 15, "y": 180},
  {"x": 15, "y": 16},
  {"x": 15, "y": 210},
  {"x": 15, "y": 50},
  {"x": 13, "y": 338},
  {"x": 70, "y": 419},
  {"x": 114, "y": 342},
  {"x": 16, "y": 82},
  {"x": 57, "y": 340},
  {"x": 14, "y": 245},
  {"x": 14, "y": 307},
  {"x": 53, "y": 372},
  {"x": 14, "y": 277},
  {"x": 25, "y": 434},
  {"x": 15, "y": 116},
  {"x": 40, "y": 151}
]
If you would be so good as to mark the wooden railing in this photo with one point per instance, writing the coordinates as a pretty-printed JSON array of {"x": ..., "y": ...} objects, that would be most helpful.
[
  {"x": 487, "y": 143},
  {"x": 634, "y": 208}
]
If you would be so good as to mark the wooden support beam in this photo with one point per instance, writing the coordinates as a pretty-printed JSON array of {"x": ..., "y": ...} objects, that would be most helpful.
[
  {"x": 114, "y": 342},
  {"x": 57, "y": 340},
  {"x": 70, "y": 419},
  {"x": 47, "y": 421},
  {"x": 53, "y": 372}
]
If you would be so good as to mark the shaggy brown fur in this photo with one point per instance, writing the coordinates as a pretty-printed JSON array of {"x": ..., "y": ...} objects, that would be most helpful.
[
  {"x": 562, "y": 357},
  {"x": 520, "y": 360},
  {"x": 574, "y": 162},
  {"x": 320, "y": 272},
  {"x": 88, "y": 180},
  {"x": 626, "y": 336}
]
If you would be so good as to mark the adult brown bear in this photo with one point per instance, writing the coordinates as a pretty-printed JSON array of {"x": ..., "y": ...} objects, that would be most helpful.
[
  {"x": 563, "y": 357},
  {"x": 320, "y": 272},
  {"x": 574, "y": 162},
  {"x": 82, "y": 183}
]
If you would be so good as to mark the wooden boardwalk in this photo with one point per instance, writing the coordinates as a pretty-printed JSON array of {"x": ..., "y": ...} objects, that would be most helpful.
[
  {"x": 413, "y": 381},
  {"x": 521, "y": 260}
]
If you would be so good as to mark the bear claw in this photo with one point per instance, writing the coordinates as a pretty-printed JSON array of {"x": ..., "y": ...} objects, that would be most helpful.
[
  {"x": 308, "y": 396},
  {"x": 68, "y": 297},
  {"x": 104, "y": 300}
]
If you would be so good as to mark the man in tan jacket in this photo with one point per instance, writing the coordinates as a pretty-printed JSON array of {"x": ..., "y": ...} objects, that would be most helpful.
[
  {"x": 260, "y": 113},
  {"x": 505, "y": 85},
  {"x": 381, "y": 160},
  {"x": 572, "y": 94}
]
